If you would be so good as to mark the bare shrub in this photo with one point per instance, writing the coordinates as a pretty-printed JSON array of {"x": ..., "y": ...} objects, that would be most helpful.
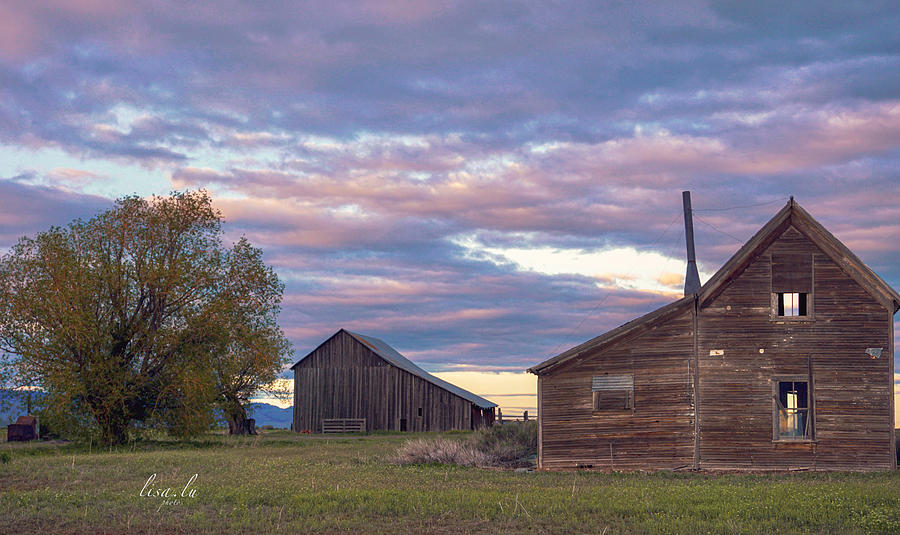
[
  {"x": 505, "y": 446},
  {"x": 441, "y": 451}
]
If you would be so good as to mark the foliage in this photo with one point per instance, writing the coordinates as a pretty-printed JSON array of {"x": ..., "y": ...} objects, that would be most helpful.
[
  {"x": 507, "y": 445},
  {"x": 120, "y": 318},
  {"x": 251, "y": 349}
]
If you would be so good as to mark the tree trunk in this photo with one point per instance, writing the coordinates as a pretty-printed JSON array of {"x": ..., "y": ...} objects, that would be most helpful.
[
  {"x": 113, "y": 428},
  {"x": 238, "y": 423}
]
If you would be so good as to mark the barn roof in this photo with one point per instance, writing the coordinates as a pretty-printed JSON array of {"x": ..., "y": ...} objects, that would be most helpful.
[
  {"x": 791, "y": 215},
  {"x": 392, "y": 356}
]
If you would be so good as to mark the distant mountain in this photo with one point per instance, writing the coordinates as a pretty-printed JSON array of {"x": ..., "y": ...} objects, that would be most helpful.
[
  {"x": 266, "y": 414},
  {"x": 12, "y": 405}
]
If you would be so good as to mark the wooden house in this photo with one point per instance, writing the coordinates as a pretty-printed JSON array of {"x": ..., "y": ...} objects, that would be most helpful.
[
  {"x": 783, "y": 360},
  {"x": 354, "y": 377}
]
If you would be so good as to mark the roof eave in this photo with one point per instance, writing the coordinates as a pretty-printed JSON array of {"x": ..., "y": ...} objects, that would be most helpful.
[
  {"x": 743, "y": 256},
  {"x": 294, "y": 365},
  {"x": 372, "y": 343},
  {"x": 795, "y": 215},
  {"x": 612, "y": 336},
  {"x": 847, "y": 259}
]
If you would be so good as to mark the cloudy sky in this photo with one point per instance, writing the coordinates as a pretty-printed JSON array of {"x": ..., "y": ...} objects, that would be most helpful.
[{"x": 480, "y": 184}]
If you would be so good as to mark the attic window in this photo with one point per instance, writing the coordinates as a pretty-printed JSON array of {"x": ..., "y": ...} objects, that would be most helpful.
[
  {"x": 792, "y": 276},
  {"x": 791, "y": 304},
  {"x": 612, "y": 392}
]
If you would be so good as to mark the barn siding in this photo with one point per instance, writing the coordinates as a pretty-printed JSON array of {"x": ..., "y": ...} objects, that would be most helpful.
[
  {"x": 343, "y": 378},
  {"x": 852, "y": 400},
  {"x": 657, "y": 433}
]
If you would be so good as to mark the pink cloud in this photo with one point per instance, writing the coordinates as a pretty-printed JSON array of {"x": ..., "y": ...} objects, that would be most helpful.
[
  {"x": 393, "y": 11},
  {"x": 19, "y": 34},
  {"x": 24, "y": 28}
]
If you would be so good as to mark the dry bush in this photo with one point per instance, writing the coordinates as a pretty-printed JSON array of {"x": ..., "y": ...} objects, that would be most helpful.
[
  {"x": 505, "y": 446},
  {"x": 441, "y": 451}
]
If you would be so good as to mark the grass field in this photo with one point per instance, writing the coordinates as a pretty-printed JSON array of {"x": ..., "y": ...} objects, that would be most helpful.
[{"x": 284, "y": 482}]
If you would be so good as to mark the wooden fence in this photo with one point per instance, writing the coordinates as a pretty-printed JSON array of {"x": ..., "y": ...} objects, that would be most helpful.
[{"x": 344, "y": 425}]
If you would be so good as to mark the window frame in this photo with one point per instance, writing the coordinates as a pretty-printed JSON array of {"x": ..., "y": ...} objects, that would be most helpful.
[
  {"x": 810, "y": 408},
  {"x": 626, "y": 392},
  {"x": 777, "y": 305}
]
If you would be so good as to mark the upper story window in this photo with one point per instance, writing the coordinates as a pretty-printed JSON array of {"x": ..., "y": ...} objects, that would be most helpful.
[
  {"x": 791, "y": 304},
  {"x": 792, "y": 281}
]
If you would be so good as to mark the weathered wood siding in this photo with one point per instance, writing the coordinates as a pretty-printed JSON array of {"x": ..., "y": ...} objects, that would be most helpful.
[
  {"x": 657, "y": 433},
  {"x": 852, "y": 393},
  {"x": 343, "y": 378}
]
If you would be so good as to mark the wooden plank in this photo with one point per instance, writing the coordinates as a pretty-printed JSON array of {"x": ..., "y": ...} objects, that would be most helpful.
[
  {"x": 540, "y": 421},
  {"x": 343, "y": 425},
  {"x": 695, "y": 379},
  {"x": 890, "y": 358}
]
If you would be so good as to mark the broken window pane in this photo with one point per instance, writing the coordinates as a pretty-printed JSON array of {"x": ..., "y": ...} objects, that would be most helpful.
[{"x": 793, "y": 409}]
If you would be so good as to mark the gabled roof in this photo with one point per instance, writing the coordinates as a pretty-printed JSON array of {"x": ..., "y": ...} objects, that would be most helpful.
[
  {"x": 794, "y": 215},
  {"x": 392, "y": 356},
  {"x": 791, "y": 215}
]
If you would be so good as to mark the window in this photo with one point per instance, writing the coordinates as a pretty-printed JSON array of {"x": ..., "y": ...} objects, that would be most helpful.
[
  {"x": 791, "y": 304},
  {"x": 792, "y": 276},
  {"x": 793, "y": 420},
  {"x": 419, "y": 412},
  {"x": 612, "y": 392}
]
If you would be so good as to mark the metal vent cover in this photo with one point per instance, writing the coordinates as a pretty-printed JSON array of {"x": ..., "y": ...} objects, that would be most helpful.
[{"x": 612, "y": 382}]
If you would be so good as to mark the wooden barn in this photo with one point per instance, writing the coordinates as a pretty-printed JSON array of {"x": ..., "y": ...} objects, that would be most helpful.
[
  {"x": 354, "y": 379},
  {"x": 783, "y": 360}
]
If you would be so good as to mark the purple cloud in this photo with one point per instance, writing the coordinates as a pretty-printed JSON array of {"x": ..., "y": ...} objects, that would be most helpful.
[
  {"x": 30, "y": 209},
  {"x": 359, "y": 145}
]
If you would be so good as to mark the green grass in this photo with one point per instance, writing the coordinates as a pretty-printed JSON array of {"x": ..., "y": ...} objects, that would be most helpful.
[{"x": 282, "y": 482}]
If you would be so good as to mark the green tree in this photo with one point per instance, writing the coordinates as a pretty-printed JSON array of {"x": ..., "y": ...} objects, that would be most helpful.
[
  {"x": 252, "y": 348},
  {"x": 122, "y": 318}
]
